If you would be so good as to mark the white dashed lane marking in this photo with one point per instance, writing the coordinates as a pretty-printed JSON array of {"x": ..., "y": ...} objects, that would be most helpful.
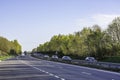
[
  {"x": 62, "y": 79},
  {"x": 47, "y": 72},
  {"x": 43, "y": 71},
  {"x": 51, "y": 74},
  {"x": 56, "y": 76}
]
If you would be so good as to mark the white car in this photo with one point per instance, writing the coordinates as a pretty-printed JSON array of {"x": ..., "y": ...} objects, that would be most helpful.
[
  {"x": 90, "y": 59},
  {"x": 46, "y": 57},
  {"x": 22, "y": 54}
]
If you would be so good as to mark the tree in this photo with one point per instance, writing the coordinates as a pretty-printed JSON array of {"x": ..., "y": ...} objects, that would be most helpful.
[
  {"x": 4, "y": 45},
  {"x": 9, "y": 47},
  {"x": 114, "y": 32},
  {"x": 87, "y": 42},
  {"x": 17, "y": 47}
]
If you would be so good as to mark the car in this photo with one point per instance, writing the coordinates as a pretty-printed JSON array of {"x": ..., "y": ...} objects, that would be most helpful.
[
  {"x": 46, "y": 57},
  {"x": 90, "y": 59},
  {"x": 66, "y": 59},
  {"x": 22, "y": 54},
  {"x": 54, "y": 57}
]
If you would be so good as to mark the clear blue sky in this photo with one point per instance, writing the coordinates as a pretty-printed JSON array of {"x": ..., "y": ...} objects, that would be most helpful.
[{"x": 33, "y": 22}]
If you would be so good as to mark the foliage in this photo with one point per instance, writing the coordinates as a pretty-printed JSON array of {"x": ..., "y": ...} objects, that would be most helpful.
[
  {"x": 91, "y": 41},
  {"x": 9, "y": 47},
  {"x": 114, "y": 59},
  {"x": 114, "y": 31},
  {"x": 5, "y": 57}
]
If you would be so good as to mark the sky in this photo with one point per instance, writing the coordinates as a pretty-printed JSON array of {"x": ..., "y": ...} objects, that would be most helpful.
[{"x": 33, "y": 22}]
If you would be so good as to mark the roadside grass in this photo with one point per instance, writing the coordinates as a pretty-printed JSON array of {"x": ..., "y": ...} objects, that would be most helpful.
[
  {"x": 5, "y": 57},
  {"x": 113, "y": 59}
]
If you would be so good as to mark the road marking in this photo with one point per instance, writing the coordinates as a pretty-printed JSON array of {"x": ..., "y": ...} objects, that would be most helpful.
[
  {"x": 86, "y": 73},
  {"x": 41, "y": 70},
  {"x": 56, "y": 76},
  {"x": 62, "y": 79},
  {"x": 83, "y": 67},
  {"x": 88, "y": 68},
  {"x": 51, "y": 74},
  {"x": 47, "y": 72}
]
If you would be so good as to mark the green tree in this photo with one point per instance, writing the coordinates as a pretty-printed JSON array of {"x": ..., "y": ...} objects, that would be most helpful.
[
  {"x": 4, "y": 45},
  {"x": 9, "y": 47},
  {"x": 17, "y": 46},
  {"x": 114, "y": 32},
  {"x": 91, "y": 41}
]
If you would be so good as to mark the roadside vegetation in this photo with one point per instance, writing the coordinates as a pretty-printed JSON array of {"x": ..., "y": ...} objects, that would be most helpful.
[
  {"x": 114, "y": 59},
  {"x": 90, "y": 41},
  {"x": 9, "y": 48},
  {"x": 5, "y": 57}
]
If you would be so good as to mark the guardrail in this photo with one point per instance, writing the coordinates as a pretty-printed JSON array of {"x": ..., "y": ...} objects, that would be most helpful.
[{"x": 97, "y": 64}]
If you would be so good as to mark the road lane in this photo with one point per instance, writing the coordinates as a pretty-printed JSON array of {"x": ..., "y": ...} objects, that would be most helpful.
[
  {"x": 15, "y": 70},
  {"x": 73, "y": 72},
  {"x": 29, "y": 68}
]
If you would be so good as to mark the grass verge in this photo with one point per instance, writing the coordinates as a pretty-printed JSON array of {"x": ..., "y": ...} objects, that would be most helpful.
[{"x": 5, "y": 57}]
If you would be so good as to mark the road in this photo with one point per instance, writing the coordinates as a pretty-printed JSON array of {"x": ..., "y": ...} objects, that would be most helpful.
[{"x": 29, "y": 68}]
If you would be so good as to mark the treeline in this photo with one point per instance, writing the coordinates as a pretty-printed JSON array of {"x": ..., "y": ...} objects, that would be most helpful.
[
  {"x": 91, "y": 41},
  {"x": 9, "y": 47}
]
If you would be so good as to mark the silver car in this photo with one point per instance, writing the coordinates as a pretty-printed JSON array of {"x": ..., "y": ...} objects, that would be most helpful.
[
  {"x": 54, "y": 57},
  {"x": 66, "y": 58}
]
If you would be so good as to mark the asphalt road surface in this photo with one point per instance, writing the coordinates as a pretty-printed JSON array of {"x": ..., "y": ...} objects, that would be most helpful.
[{"x": 29, "y": 68}]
